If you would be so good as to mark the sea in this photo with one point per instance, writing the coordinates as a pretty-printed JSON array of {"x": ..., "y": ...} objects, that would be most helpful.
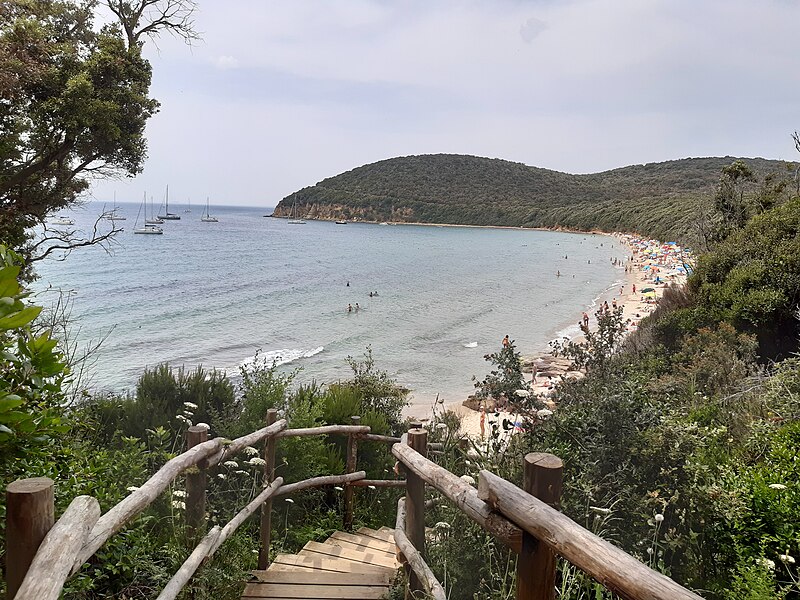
[{"x": 216, "y": 294}]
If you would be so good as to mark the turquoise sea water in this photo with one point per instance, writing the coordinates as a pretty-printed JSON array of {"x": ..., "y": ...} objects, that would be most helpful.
[{"x": 214, "y": 293}]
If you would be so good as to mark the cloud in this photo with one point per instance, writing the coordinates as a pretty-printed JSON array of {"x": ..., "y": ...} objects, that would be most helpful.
[
  {"x": 225, "y": 62},
  {"x": 531, "y": 29}
]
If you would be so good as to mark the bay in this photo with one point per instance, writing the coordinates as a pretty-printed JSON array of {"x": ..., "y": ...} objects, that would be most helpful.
[{"x": 215, "y": 293}]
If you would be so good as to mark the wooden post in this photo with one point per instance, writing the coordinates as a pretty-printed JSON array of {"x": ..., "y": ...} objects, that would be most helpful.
[
  {"x": 266, "y": 508},
  {"x": 30, "y": 514},
  {"x": 536, "y": 564},
  {"x": 415, "y": 507},
  {"x": 352, "y": 461},
  {"x": 196, "y": 488}
]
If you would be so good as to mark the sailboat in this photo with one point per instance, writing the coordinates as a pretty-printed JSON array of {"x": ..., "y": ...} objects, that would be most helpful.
[
  {"x": 207, "y": 218},
  {"x": 151, "y": 229},
  {"x": 188, "y": 209},
  {"x": 168, "y": 216},
  {"x": 114, "y": 215},
  {"x": 294, "y": 220},
  {"x": 153, "y": 220},
  {"x": 61, "y": 220}
]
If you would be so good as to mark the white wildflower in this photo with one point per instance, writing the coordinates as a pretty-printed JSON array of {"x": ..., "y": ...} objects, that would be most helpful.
[
  {"x": 777, "y": 486},
  {"x": 650, "y": 551},
  {"x": 242, "y": 473},
  {"x": 191, "y": 405},
  {"x": 131, "y": 488},
  {"x": 290, "y": 501},
  {"x": 468, "y": 479},
  {"x": 250, "y": 451},
  {"x": 179, "y": 493},
  {"x": 544, "y": 413},
  {"x": 441, "y": 426},
  {"x": 187, "y": 413},
  {"x": 178, "y": 504},
  {"x": 659, "y": 518},
  {"x": 257, "y": 462},
  {"x": 372, "y": 487},
  {"x": 205, "y": 426},
  {"x": 338, "y": 488},
  {"x": 466, "y": 462},
  {"x": 766, "y": 563},
  {"x": 442, "y": 525},
  {"x": 600, "y": 511},
  {"x": 184, "y": 420},
  {"x": 786, "y": 559},
  {"x": 522, "y": 393},
  {"x": 231, "y": 464},
  {"x": 222, "y": 475}
]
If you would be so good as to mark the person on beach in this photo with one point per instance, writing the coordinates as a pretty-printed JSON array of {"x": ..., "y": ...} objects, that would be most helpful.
[
  {"x": 349, "y": 308},
  {"x": 506, "y": 342},
  {"x": 586, "y": 320},
  {"x": 357, "y": 307},
  {"x": 634, "y": 288},
  {"x": 605, "y": 306},
  {"x": 614, "y": 304},
  {"x": 558, "y": 273}
]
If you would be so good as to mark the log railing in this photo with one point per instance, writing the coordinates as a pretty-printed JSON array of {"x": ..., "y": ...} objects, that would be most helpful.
[{"x": 41, "y": 555}]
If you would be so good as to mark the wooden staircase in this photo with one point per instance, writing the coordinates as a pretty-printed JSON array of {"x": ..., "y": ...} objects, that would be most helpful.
[{"x": 358, "y": 565}]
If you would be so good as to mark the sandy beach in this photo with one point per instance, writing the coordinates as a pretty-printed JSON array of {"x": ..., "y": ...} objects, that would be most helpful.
[{"x": 649, "y": 267}]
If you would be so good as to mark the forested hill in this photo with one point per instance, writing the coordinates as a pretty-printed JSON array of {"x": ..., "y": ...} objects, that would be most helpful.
[{"x": 658, "y": 199}]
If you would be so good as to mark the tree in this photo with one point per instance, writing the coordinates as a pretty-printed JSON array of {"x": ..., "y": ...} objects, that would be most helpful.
[
  {"x": 75, "y": 105},
  {"x": 729, "y": 203},
  {"x": 595, "y": 351},
  {"x": 506, "y": 379}
]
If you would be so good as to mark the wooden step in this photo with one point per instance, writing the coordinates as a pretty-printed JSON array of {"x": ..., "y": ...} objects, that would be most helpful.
[
  {"x": 272, "y": 575},
  {"x": 321, "y": 562},
  {"x": 368, "y": 557},
  {"x": 357, "y": 542},
  {"x": 321, "y": 591},
  {"x": 387, "y": 535}
]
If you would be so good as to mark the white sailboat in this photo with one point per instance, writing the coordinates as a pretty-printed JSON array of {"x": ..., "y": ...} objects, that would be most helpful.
[
  {"x": 188, "y": 209},
  {"x": 146, "y": 229},
  {"x": 153, "y": 220},
  {"x": 207, "y": 218},
  {"x": 61, "y": 220},
  {"x": 168, "y": 216},
  {"x": 294, "y": 220},
  {"x": 114, "y": 214}
]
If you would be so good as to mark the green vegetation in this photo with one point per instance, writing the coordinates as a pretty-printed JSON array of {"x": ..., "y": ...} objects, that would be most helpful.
[{"x": 664, "y": 200}]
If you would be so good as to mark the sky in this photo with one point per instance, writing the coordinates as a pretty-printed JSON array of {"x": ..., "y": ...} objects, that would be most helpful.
[{"x": 279, "y": 95}]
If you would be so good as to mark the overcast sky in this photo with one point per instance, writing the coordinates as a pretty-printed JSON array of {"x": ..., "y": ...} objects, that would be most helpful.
[{"x": 281, "y": 94}]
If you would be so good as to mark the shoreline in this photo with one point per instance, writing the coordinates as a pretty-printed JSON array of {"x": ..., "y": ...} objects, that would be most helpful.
[{"x": 645, "y": 264}]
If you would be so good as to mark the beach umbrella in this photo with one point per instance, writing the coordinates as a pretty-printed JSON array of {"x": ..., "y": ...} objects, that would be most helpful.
[{"x": 645, "y": 290}]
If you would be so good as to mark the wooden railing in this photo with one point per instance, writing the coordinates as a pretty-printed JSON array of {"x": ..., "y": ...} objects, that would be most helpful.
[{"x": 41, "y": 555}]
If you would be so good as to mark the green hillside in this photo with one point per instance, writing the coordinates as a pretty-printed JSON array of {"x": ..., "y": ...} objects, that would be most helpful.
[{"x": 658, "y": 199}]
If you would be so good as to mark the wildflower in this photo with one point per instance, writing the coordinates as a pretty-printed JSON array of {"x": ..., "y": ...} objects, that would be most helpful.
[
  {"x": 187, "y": 413},
  {"x": 786, "y": 559},
  {"x": 231, "y": 464},
  {"x": 179, "y": 493},
  {"x": 544, "y": 413},
  {"x": 659, "y": 518},
  {"x": 241, "y": 472},
  {"x": 766, "y": 563},
  {"x": 191, "y": 405},
  {"x": 257, "y": 462},
  {"x": 600, "y": 511},
  {"x": 372, "y": 487},
  {"x": 650, "y": 551},
  {"x": 205, "y": 426},
  {"x": 250, "y": 451},
  {"x": 178, "y": 504},
  {"x": 441, "y": 426},
  {"x": 131, "y": 488},
  {"x": 222, "y": 475},
  {"x": 183, "y": 419},
  {"x": 468, "y": 479},
  {"x": 290, "y": 501},
  {"x": 466, "y": 462},
  {"x": 777, "y": 486},
  {"x": 337, "y": 488},
  {"x": 522, "y": 393},
  {"x": 442, "y": 525}
]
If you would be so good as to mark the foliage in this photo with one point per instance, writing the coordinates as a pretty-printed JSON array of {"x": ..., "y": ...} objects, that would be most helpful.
[
  {"x": 661, "y": 200},
  {"x": 752, "y": 281},
  {"x": 598, "y": 345},
  {"x": 32, "y": 371},
  {"x": 379, "y": 393},
  {"x": 505, "y": 379}
]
